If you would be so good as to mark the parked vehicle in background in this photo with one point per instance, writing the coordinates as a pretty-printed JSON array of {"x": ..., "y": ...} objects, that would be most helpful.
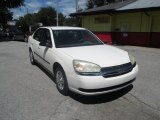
[
  {"x": 1, "y": 27},
  {"x": 80, "y": 62},
  {"x": 17, "y": 34},
  {"x": 2, "y": 34}
]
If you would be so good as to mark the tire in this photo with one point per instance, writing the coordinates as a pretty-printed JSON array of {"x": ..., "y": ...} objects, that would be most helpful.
[
  {"x": 31, "y": 57},
  {"x": 61, "y": 81}
]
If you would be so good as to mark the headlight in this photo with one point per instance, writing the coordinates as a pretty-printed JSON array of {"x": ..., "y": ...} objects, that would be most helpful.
[
  {"x": 84, "y": 67},
  {"x": 132, "y": 59}
]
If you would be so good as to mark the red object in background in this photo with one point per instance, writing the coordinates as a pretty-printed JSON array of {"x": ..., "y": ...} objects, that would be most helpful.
[
  {"x": 105, "y": 37},
  {"x": 155, "y": 39},
  {"x": 132, "y": 38},
  {"x": 145, "y": 39}
]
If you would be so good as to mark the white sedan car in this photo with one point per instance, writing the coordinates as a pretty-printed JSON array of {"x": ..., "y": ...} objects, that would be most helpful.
[{"x": 80, "y": 62}]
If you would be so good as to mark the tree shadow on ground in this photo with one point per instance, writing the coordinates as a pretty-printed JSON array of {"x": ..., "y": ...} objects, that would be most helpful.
[
  {"x": 8, "y": 39},
  {"x": 4, "y": 39}
]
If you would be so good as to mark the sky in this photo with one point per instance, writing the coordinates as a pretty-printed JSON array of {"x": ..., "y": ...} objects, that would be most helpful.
[{"x": 65, "y": 6}]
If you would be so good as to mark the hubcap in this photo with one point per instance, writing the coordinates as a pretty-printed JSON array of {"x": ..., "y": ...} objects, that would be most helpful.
[{"x": 60, "y": 80}]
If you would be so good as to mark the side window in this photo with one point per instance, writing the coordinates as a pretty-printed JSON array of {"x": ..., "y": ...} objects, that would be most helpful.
[
  {"x": 46, "y": 37},
  {"x": 37, "y": 35}
]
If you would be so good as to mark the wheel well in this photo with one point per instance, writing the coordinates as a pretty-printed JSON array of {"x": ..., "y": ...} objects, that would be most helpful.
[{"x": 56, "y": 64}]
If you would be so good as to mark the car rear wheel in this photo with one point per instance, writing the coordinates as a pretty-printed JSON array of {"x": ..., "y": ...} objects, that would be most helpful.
[
  {"x": 31, "y": 57},
  {"x": 61, "y": 81}
]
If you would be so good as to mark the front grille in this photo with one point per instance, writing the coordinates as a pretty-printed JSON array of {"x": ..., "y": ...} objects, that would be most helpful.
[{"x": 117, "y": 70}]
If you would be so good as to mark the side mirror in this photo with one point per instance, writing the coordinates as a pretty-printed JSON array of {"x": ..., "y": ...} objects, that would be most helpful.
[{"x": 49, "y": 44}]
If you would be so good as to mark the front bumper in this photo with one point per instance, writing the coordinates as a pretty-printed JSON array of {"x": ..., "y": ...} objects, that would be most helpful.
[{"x": 93, "y": 85}]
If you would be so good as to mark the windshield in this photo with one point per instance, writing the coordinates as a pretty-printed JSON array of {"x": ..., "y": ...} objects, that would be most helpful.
[{"x": 73, "y": 38}]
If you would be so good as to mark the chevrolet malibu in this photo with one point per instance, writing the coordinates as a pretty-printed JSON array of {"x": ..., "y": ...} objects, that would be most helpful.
[{"x": 80, "y": 62}]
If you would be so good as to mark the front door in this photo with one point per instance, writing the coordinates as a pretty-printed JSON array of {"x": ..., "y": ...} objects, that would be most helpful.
[
  {"x": 35, "y": 44},
  {"x": 44, "y": 51}
]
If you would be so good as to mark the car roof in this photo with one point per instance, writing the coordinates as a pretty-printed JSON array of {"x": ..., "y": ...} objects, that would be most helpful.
[{"x": 63, "y": 28}]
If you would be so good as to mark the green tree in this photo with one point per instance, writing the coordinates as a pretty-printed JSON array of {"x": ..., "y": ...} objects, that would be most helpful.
[
  {"x": 11, "y": 3},
  {"x": 61, "y": 19},
  {"x": 73, "y": 21},
  {"x": 90, "y": 4},
  {"x": 5, "y": 5},
  {"x": 97, "y": 3},
  {"x": 5, "y": 15},
  {"x": 27, "y": 20},
  {"x": 47, "y": 16}
]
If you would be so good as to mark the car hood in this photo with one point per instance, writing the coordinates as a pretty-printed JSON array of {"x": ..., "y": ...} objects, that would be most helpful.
[{"x": 103, "y": 55}]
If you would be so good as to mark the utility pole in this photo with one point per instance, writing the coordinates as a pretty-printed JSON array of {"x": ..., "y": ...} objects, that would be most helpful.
[
  {"x": 76, "y": 5},
  {"x": 57, "y": 12},
  {"x": 27, "y": 20},
  {"x": 27, "y": 11}
]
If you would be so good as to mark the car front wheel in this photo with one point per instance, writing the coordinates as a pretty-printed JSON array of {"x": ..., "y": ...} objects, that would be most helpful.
[{"x": 61, "y": 81}]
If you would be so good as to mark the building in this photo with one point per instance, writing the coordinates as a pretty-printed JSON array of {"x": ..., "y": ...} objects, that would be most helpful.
[{"x": 131, "y": 22}]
